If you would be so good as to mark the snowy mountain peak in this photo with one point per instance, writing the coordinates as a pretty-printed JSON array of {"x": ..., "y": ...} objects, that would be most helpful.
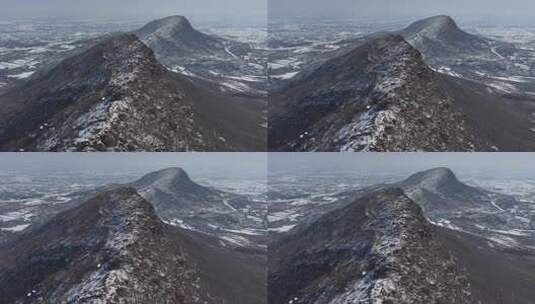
[
  {"x": 174, "y": 172},
  {"x": 166, "y": 178},
  {"x": 173, "y": 38},
  {"x": 432, "y": 27},
  {"x": 172, "y": 190},
  {"x": 439, "y": 36},
  {"x": 172, "y": 24},
  {"x": 438, "y": 179},
  {"x": 441, "y": 20},
  {"x": 432, "y": 179},
  {"x": 176, "y": 20},
  {"x": 441, "y": 173},
  {"x": 169, "y": 28}
]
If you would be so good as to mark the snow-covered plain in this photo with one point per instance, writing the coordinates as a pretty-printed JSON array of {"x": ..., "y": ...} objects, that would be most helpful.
[
  {"x": 26, "y": 197},
  {"x": 29, "y": 45}
]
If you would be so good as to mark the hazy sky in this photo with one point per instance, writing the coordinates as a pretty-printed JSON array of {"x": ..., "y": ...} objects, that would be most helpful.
[
  {"x": 511, "y": 10},
  {"x": 472, "y": 9},
  {"x": 196, "y": 164},
  {"x": 212, "y": 9},
  {"x": 482, "y": 164},
  {"x": 258, "y": 163}
]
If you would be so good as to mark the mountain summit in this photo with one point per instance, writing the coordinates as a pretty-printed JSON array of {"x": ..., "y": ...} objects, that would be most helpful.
[
  {"x": 437, "y": 178},
  {"x": 169, "y": 178},
  {"x": 225, "y": 62},
  {"x": 169, "y": 26},
  {"x": 173, "y": 192},
  {"x": 182, "y": 202},
  {"x": 478, "y": 58},
  {"x": 440, "y": 35},
  {"x": 439, "y": 192},
  {"x": 173, "y": 37},
  {"x": 437, "y": 27}
]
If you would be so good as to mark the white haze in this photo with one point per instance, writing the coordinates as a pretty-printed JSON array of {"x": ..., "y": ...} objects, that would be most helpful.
[
  {"x": 487, "y": 165},
  {"x": 199, "y": 10},
  {"x": 490, "y": 11}
]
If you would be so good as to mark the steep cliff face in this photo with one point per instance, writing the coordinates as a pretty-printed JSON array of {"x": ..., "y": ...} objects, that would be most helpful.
[{"x": 379, "y": 249}]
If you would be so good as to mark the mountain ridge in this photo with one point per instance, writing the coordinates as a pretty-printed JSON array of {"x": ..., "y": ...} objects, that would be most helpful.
[
  {"x": 100, "y": 100},
  {"x": 389, "y": 94},
  {"x": 379, "y": 97},
  {"x": 98, "y": 252},
  {"x": 114, "y": 248},
  {"x": 356, "y": 254}
]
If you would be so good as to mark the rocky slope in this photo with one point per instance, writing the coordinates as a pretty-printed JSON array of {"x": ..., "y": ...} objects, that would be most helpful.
[
  {"x": 117, "y": 97},
  {"x": 379, "y": 249},
  {"x": 497, "y": 276},
  {"x": 114, "y": 249},
  {"x": 230, "y": 275}
]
